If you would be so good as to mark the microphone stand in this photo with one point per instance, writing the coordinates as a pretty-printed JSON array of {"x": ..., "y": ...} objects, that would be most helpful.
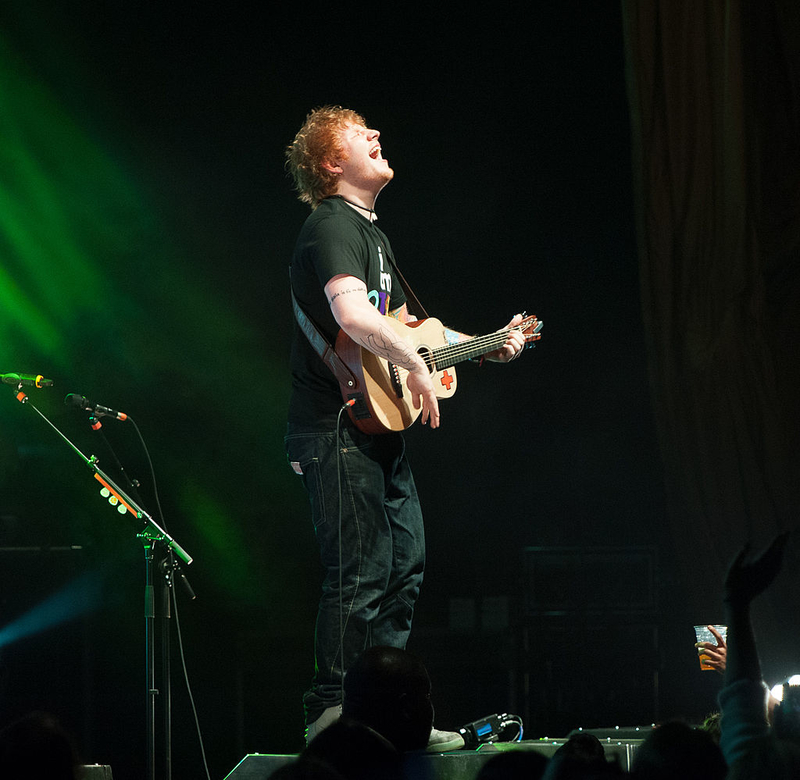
[
  {"x": 151, "y": 535},
  {"x": 166, "y": 566}
]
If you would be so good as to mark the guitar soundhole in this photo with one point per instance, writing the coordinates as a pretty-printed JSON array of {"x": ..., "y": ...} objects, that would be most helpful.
[{"x": 425, "y": 354}]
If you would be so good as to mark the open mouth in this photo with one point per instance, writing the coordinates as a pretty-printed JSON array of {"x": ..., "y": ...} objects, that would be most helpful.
[{"x": 375, "y": 153}]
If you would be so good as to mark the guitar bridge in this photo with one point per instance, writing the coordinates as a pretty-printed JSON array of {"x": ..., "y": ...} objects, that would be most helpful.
[{"x": 397, "y": 383}]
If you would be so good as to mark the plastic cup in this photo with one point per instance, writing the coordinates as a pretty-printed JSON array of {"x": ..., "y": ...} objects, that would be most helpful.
[{"x": 702, "y": 634}]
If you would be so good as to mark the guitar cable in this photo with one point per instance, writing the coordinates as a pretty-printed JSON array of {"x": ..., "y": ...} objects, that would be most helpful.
[{"x": 346, "y": 405}]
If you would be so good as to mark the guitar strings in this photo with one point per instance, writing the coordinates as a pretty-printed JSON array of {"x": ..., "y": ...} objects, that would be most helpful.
[
  {"x": 450, "y": 354},
  {"x": 455, "y": 353},
  {"x": 476, "y": 346}
]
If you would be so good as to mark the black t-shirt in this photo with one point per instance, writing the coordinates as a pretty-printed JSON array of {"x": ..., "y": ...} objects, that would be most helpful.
[{"x": 335, "y": 239}]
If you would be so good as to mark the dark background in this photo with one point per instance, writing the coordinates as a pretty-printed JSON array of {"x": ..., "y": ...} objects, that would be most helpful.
[{"x": 146, "y": 266}]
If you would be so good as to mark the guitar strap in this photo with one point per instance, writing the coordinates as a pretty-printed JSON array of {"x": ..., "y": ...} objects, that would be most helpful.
[
  {"x": 320, "y": 344},
  {"x": 414, "y": 306}
]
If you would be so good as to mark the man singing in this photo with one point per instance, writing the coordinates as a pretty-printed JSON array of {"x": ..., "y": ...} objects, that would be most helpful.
[{"x": 364, "y": 503}]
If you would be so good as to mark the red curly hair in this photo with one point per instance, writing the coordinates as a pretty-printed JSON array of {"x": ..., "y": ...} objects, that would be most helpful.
[{"x": 319, "y": 140}]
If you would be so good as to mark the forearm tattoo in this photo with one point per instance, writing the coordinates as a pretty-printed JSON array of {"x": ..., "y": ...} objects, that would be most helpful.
[
  {"x": 384, "y": 342},
  {"x": 387, "y": 344}
]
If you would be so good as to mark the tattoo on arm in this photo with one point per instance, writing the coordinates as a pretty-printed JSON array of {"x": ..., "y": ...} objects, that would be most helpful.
[
  {"x": 386, "y": 344},
  {"x": 345, "y": 292}
]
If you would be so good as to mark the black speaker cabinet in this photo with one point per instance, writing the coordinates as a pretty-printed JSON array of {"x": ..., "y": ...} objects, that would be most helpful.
[
  {"x": 589, "y": 638},
  {"x": 589, "y": 580}
]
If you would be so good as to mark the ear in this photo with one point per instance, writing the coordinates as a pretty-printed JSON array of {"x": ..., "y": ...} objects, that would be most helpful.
[
  {"x": 405, "y": 710},
  {"x": 332, "y": 167}
]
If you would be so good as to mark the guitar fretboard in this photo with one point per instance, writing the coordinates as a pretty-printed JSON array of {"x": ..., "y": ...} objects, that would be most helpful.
[{"x": 451, "y": 354}]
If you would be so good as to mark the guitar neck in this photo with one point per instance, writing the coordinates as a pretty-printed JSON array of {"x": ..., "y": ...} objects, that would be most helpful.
[{"x": 450, "y": 354}]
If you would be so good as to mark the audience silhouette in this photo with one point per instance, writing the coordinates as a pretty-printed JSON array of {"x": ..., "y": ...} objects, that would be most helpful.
[
  {"x": 36, "y": 747},
  {"x": 389, "y": 690},
  {"x": 676, "y": 751}
]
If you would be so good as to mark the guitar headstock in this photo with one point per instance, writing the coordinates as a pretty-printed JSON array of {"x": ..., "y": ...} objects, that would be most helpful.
[{"x": 530, "y": 327}]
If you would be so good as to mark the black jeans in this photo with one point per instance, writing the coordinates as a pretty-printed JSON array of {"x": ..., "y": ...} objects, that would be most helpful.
[{"x": 381, "y": 547}]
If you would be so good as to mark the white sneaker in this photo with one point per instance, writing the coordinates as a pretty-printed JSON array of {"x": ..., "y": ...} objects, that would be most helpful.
[
  {"x": 330, "y": 715},
  {"x": 444, "y": 741}
]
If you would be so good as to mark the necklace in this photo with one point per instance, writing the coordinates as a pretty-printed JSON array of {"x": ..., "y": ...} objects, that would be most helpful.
[{"x": 371, "y": 212}]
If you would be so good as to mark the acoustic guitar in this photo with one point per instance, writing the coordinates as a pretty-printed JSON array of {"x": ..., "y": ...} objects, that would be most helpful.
[{"x": 379, "y": 401}]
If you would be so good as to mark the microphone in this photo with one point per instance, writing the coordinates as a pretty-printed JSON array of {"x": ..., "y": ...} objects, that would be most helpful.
[
  {"x": 96, "y": 409},
  {"x": 26, "y": 380}
]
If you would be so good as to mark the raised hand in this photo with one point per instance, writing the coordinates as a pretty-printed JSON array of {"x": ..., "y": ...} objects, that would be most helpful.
[{"x": 749, "y": 575}]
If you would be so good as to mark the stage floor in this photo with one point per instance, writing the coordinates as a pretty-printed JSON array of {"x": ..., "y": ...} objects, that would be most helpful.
[{"x": 457, "y": 765}]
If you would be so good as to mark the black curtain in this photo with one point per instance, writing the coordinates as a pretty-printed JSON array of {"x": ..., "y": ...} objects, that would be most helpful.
[{"x": 714, "y": 94}]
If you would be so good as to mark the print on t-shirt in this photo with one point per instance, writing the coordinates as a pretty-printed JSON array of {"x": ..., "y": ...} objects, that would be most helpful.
[{"x": 380, "y": 298}]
